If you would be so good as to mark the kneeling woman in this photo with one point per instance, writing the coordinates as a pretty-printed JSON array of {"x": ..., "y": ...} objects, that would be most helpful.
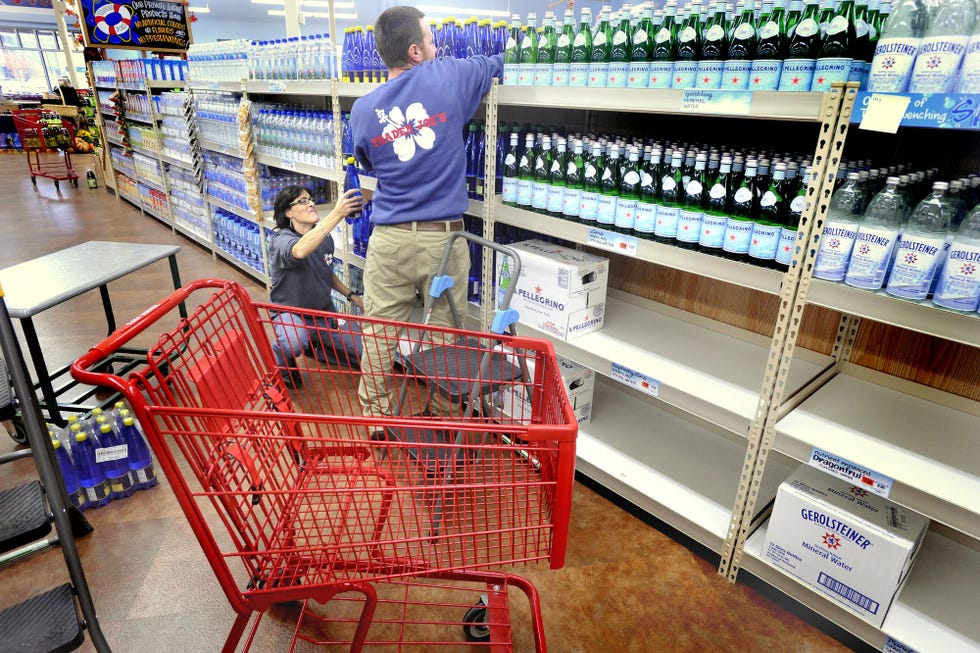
[{"x": 301, "y": 267}]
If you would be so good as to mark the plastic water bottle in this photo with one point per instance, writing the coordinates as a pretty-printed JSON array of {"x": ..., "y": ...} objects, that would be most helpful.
[
  {"x": 140, "y": 460},
  {"x": 899, "y": 42},
  {"x": 352, "y": 181},
  {"x": 113, "y": 454},
  {"x": 839, "y": 230},
  {"x": 90, "y": 474},
  {"x": 74, "y": 487},
  {"x": 959, "y": 282},
  {"x": 970, "y": 68},
  {"x": 941, "y": 51},
  {"x": 920, "y": 250},
  {"x": 876, "y": 238}
]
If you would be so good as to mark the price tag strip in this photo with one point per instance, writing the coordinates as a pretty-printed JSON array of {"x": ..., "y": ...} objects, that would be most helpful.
[
  {"x": 851, "y": 472},
  {"x": 635, "y": 379},
  {"x": 612, "y": 241},
  {"x": 717, "y": 102}
]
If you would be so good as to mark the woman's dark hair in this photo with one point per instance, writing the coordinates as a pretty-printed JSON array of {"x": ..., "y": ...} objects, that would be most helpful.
[
  {"x": 395, "y": 31},
  {"x": 287, "y": 196}
]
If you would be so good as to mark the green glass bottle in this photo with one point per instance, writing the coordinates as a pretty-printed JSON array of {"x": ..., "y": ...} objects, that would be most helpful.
[
  {"x": 529, "y": 51},
  {"x": 716, "y": 208},
  {"x": 802, "y": 50},
  {"x": 664, "y": 49},
  {"x": 629, "y": 192},
  {"x": 589, "y": 208},
  {"x": 542, "y": 176},
  {"x": 688, "y": 49},
  {"x": 525, "y": 173},
  {"x": 671, "y": 198},
  {"x": 791, "y": 224},
  {"x": 836, "y": 49},
  {"x": 512, "y": 51},
  {"x": 547, "y": 51},
  {"x": 769, "y": 220},
  {"x": 574, "y": 171},
  {"x": 714, "y": 49},
  {"x": 641, "y": 52},
  {"x": 860, "y": 52},
  {"x": 563, "y": 51},
  {"x": 510, "y": 171},
  {"x": 646, "y": 207},
  {"x": 770, "y": 49},
  {"x": 742, "y": 40},
  {"x": 620, "y": 51},
  {"x": 578, "y": 74},
  {"x": 609, "y": 189},
  {"x": 601, "y": 50},
  {"x": 741, "y": 217},
  {"x": 556, "y": 180},
  {"x": 692, "y": 212}
]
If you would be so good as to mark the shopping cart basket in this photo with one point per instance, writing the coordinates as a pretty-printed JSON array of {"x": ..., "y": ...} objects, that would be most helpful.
[
  {"x": 40, "y": 131},
  {"x": 291, "y": 499}
]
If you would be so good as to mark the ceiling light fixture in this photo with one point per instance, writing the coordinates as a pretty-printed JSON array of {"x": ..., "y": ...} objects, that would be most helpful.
[
  {"x": 461, "y": 11},
  {"x": 206, "y": 9}
]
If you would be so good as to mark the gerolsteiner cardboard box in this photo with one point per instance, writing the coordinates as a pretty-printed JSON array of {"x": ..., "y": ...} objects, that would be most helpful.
[{"x": 846, "y": 543}]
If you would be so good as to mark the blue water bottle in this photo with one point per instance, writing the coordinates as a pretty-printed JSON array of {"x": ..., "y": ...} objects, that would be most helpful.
[
  {"x": 352, "y": 181},
  {"x": 114, "y": 457},
  {"x": 139, "y": 458},
  {"x": 90, "y": 475},
  {"x": 75, "y": 492}
]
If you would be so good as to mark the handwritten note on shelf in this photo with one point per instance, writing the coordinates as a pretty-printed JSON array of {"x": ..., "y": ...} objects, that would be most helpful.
[{"x": 884, "y": 113}]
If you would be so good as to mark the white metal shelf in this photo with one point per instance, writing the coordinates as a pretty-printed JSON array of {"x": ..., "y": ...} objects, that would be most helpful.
[
  {"x": 670, "y": 466},
  {"x": 247, "y": 269},
  {"x": 936, "y": 610},
  {"x": 734, "y": 272},
  {"x": 180, "y": 163},
  {"x": 711, "y": 374},
  {"x": 355, "y": 89},
  {"x": 296, "y": 166},
  {"x": 924, "y": 317},
  {"x": 165, "y": 84},
  {"x": 770, "y": 105},
  {"x": 231, "y": 208},
  {"x": 225, "y": 87},
  {"x": 141, "y": 118},
  {"x": 192, "y": 235},
  {"x": 290, "y": 86},
  {"x": 931, "y": 450},
  {"x": 231, "y": 150},
  {"x": 152, "y": 183}
]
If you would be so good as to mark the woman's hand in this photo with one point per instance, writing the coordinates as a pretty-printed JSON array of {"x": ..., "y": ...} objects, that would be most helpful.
[
  {"x": 349, "y": 202},
  {"x": 358, "y": 301}
]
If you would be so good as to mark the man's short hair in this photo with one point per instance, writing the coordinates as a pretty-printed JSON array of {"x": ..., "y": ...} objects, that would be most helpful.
[{"x": 395, "y": 31}]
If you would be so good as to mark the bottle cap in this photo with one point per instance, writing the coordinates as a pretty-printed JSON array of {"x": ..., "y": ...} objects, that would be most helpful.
[
  {"x": 941, "y": 185},
  {"x": 128, "y": 421},
  {"x": 105, "y": 428},
  {"x": 894, "y": 180}
]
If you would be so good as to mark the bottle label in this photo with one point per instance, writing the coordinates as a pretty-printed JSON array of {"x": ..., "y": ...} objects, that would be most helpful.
[
  {"x": 511, "y": 73},
  {"x": 768, "y": 199},
  {"x": 871, "y": 256},
  {"x": 646, "y": 218},
  {"x": 667, "y": 217},
  {"x": 742, "y": 195},
  {"x": 669, "y": 184},
  {"x": 797, "y": 74},
  {"x": 560, "y": 74},
  {"x": 619, "y": 38},
  {"x": 578, "y": 74},
  {"x": 798, "y": 204},
  {"x": 625, "y": 213},
  {"x": 638, "y": 74},
  {"x": 509, "y": 190},
  {"x": 860, "y": 27},
  {"x": 836, "y": 243},
  {"x": 694, "y": 187},
  {"x": 689, "y": 225},
  {"x": 786, "y": 246},
  {"x": 828, "y": 71},
  {"x": 735, "y": 76},
  {"x": 936, "y": 64},
  {"x": 738, "y": 236},
  {"x": 564, "y": 41},
  {"x": 616, "y": 74},
  {"x": 556, "y": 199},
  {"x": 714, "y": 33},
  {"x": 859, "y": 73},
  {"x": 768, "y": 30},
  {"x": 717, "y": 192},
  {"x": 685, "y": 74},
  {"x": 837, "y": 25},
  {"x": 606, "y": 209},
  {"x": 892, "y": 64},
  {"x": 970, "y": 70},
  {"x": 959, "y": 282},
  {"x": 764, "y": 75},
  {"x": 524, "y": 189},
  {"x": 543, "y": 73},
  {"x": 579, "y": 40},
  {"x": 713, "y": 231},
  {"x": 765, "y": 241},
  {"x": 571, "y": 202},
  {"x": 709, "y": 74},
  {"x": 525, "y": 74},
  {"x": 598, "y": 71},
  {"x": 663, "y": 36},
  {"x": 599, "y": 39},
  {"x": 661, "y": 74},
  {"x": 915, "y": 265},
  {"x": 539, "y": 195},
  {"x": 807, "y": 27},
  {"x": 639, "y": 36},
  {"x": 589, "y": 208},
  {"x": 744, "y": 31}
]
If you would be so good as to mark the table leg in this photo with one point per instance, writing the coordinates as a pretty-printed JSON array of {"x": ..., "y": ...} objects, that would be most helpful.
[
  {"x": 110, "y": 317},
  {"x": 175, "y": 273},
  {"x": 41, "y": 369}
]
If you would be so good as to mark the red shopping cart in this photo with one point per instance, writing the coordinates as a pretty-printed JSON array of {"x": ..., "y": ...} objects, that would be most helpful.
[
  {"x": 291, "y": 498},
  {"x": 40, "y": 133}
]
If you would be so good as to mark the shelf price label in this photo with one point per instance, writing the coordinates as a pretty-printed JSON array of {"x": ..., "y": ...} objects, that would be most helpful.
[
  {"x": 612, "y": 241},
  {"x": 936, "y": 110},
  {"x": 850, "y": 472},
  {"x": 277, "y": 87},
  {"x": 287, "y": 164},
  {"x": 717, "y": 102},
  {"x": 635, "y": 380}
]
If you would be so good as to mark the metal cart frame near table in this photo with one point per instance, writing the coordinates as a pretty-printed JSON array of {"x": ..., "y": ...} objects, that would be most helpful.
[{"x": 35, "y": 286}]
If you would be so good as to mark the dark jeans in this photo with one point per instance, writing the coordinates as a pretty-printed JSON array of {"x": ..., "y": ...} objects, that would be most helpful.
[{"x": 329, "y": 341}]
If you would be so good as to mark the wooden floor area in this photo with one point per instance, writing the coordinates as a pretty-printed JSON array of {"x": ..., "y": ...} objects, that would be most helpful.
[{"x": 627, "y": 586}]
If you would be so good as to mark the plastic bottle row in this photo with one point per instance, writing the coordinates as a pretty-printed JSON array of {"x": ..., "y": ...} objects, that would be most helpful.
[
  {"x": 218, "y": 61},
  {"x": 134, "y": 72},
  {"x": 295, "y": 134},
  {"x": 302, "y": 58},
  {"x": 273, "y": 180},
  {"x": 238, "y": 237}
]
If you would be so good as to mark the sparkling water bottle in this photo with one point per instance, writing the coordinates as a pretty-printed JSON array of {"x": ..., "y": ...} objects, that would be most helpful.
[
  {"x": 836, "y": 49},
  {"x": 578, "y": 71},
  {"x": 970, "y": 68},
  {"x": 920, "y": 250},
  {"x": 90, "y": 474},
  {"x": 943, "y": 46},
  {"x": 512, "y": 53},
  {"x": 664, "y": 49},
  {"x": 352, "y": 181},
  {"x": 839, "y": 230},
  {"x": 140, "y": 459},
  {"x": 70, "y": 475},
  {"x": 876, "y": 237},
  {"x": 112, "y": 454},
  {"x": 959, "y": 281},
  {"x": 894, "y": 56},
  {"x": 511, "y": 160}
]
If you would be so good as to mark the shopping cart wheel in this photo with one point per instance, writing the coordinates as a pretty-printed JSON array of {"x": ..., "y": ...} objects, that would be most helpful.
[
  {"x": 475, "y": 627},
  {"x": 74, "y": 182},
  {"x": 57, "y": 187},
  {"x": 34, "y": 180},
  {"x": 20, "y": 431}
]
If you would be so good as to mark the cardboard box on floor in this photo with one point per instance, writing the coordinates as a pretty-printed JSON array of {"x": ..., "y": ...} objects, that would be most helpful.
[
  {"x": 561, "y": 291},
  {"x": 846, "y": 543}
]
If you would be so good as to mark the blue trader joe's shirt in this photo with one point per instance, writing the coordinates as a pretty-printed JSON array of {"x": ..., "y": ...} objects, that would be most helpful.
[{"x": 409, "y": 131}]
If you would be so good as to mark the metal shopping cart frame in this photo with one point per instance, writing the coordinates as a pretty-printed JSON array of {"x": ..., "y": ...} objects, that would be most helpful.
[
  {"x": 30, "y": 130},
  {"x": 289, "y": 497}
]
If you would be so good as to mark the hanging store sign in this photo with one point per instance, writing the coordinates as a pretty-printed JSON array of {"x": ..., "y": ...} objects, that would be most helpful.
[
  {"x": 154, "y": 25},
  {"x": 937, "y": 110}
]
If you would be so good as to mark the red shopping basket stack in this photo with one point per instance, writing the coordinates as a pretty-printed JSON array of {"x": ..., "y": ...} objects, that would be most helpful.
[{"x": 292, "y": 499}]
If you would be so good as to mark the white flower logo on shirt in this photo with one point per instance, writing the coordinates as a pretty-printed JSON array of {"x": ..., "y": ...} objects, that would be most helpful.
[{"x": 404, "y": 132}]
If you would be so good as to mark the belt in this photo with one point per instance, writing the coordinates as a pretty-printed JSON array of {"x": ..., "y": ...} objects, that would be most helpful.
[{"x": 432, "y": 225}]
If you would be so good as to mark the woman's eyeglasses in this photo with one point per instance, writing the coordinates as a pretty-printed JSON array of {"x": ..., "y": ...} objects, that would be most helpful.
[{"x": 305, "y": 201}]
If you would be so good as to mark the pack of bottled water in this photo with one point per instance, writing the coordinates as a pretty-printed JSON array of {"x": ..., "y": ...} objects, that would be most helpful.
[
  {"x": 310, "y": 57},
  {"x": 296, "y": 134}
]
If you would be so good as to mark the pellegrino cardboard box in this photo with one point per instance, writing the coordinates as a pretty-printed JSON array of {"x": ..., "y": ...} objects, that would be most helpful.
[
  {"x": 579, "y": 383},
  {"x": 561, "y": 291},
  {"x": 853, "y": 546}
]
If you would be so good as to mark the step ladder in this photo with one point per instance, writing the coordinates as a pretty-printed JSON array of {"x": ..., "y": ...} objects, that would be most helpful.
[{"x": 49, "y": 621}]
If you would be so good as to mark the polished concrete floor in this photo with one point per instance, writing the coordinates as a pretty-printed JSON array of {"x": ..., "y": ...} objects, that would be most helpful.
[{"x": 626, "y": 586}]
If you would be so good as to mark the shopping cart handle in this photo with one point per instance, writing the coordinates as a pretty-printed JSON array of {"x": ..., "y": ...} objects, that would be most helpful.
[
  {"x": 440, "y": 284},
  {"x": 502, "y": 320}
]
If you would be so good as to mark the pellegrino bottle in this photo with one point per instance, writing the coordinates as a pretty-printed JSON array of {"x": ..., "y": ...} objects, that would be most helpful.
[
  {"x": 511, "y": 163},
  {"x": 769, "y": 219},
  {"x": 609, "y": 189},
  {"x": 836, "y": 49},
  {"x": 641, "y": 52},
  {"x": 512, "y": 52},
  {"x": 742, "y": 39},
  {"x": 563, "y": 51},
  {"x": 589, "y": 208},
  {"x": 629, "y": 193},
  {"x": 578, "y": 74},
  {"x": 770, "y": 49},
  {"x": 862, "y": 51},
  {"x": 802, "y": 51},
  {"x": 943, "y": 46},
  {"x": 692, "y": 210},
  {"x": 688, "y": 49},
  {"x": 787, "y": 234},
  {"x": 547, "y": 51},
  {"x": 556, "y": 180},
  {"x": 542, "y": 176},
  {"x": 671, "y": 198},
  {"x": 620, "y": 51},
  {"x": 529, "y": 51},
  {"x": 714, "y": 49},
  {"x": 741, "y": 218},
  {"x": 664, "y": 49},
  {"x": 716, "y": 208},
  {"x": 827, "y": 12},
  {"x": 601, "y": 50},
  {"x": 525, "y": 173},
  {"x": 574, "y": 171},
  {"x": 646, "y": 207}
]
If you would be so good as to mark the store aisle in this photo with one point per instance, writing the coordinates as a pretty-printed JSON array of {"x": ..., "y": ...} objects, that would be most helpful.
[{"x": 626, "y": 587}]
